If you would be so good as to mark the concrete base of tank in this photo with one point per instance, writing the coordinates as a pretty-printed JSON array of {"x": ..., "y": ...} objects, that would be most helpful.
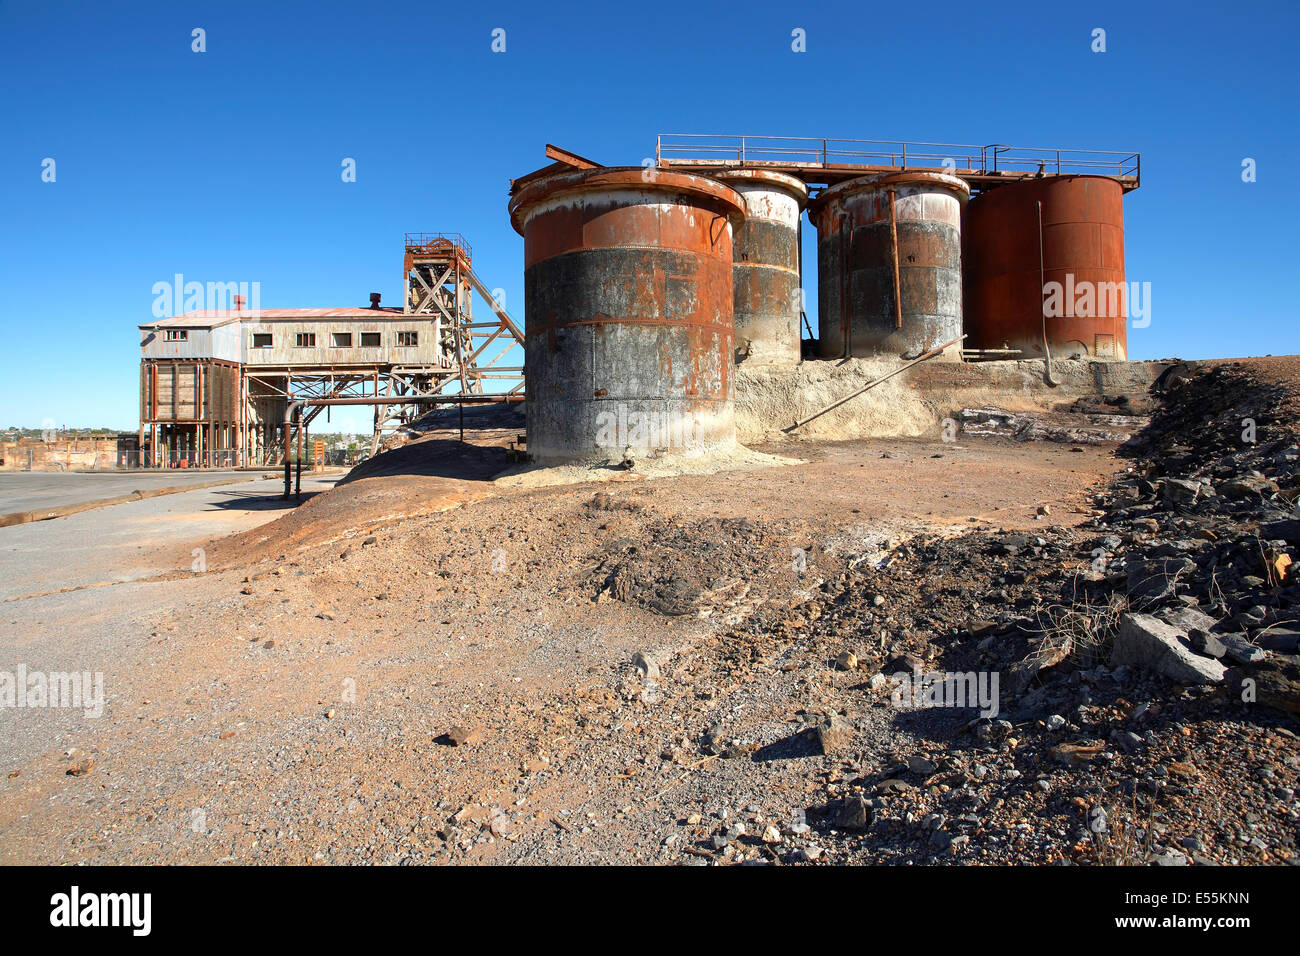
[
  {"x": 609, "y": 431},
  {"x": 735, "y": 458},
  {"x": 915, "y": 403}
]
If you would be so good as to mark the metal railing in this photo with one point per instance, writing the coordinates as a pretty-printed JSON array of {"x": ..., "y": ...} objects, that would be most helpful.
[
  {"x": 810, "y": 151},
  {"x": 435, "y": 241},
  {"x": 1050, "y": 159}
]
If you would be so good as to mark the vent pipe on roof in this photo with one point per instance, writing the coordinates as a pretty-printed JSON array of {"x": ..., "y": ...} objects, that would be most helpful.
[
  {"x": 239, "y": 303},
  {"x": 374, "y": 300}
]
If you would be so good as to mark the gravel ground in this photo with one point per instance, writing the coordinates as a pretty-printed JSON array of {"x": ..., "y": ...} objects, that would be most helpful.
[{"x": 676, "y": 670}]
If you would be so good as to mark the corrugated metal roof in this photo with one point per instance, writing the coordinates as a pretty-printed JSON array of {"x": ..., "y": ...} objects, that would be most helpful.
[{"x": 211, "y": 318}]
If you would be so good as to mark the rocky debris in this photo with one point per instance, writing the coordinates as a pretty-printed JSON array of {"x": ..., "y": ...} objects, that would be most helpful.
[
  {"x": 603, "y": 501},
  {"x": 853, "y": 813},
  {"x": 1285, "y": 529},
  {"x": 1238, "y": 649},
  {"x": 461, "y": 736},
  {"x": 647, "y": 664},
  {"x": 1199, "y": 527},
  {"x": 835, "y": 735},
  {"x": 1153, "y": 582},
  {"x": 81, "y": 767},
  {"x": 1122, "y": 733},
  {"x": 675, "y": 568},
  {"x": 1071, "y": 427},
  {"x": 1147, "y": 642},
  {"x": 1207, "y": 644},
  {"x": 1081, "y": 760},
  {"x": 1183, "y": 492},
  {"x": 1283, "y": 640},
  {"x": 1271, "y": 681},
  {"x": 1188, "y": 619}
]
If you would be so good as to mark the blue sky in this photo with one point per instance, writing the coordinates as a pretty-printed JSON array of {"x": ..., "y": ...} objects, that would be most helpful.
[{"x": 225, "y": 165}]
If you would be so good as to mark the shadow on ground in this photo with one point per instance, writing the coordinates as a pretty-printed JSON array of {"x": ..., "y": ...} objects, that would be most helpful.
[
  {"x": 802, "y": 744},
  {"x": 260, "y": 501}
]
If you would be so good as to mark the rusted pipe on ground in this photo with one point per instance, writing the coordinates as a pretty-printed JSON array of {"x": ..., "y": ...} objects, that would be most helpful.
[{"x": 870, "y": 385}]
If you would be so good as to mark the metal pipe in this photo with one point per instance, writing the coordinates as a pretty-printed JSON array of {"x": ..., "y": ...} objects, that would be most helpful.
[
  {"x": 1042, "y": 284},
  {"x": 846, "y": 329},
  {"x": 893, "y": 246},
  {"x": 802, "y": 294},
  {"x": 870, "y": 385}
]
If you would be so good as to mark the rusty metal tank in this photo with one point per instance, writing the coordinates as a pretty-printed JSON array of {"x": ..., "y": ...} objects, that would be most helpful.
[
  {"x": 628, "y": 300},
  {"x": 1082, "y": 254},
  {"x": 889, "y": 265},
  {"x": 769, "y": 297}
]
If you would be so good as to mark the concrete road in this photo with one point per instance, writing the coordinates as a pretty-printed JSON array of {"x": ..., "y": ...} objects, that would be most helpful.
[
  {"x": 137, "y": 539},
  {"x": 35, "y": 490}
]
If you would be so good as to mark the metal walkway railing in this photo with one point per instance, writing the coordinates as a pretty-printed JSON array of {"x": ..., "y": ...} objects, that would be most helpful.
[{"x": 683, "y": 148}]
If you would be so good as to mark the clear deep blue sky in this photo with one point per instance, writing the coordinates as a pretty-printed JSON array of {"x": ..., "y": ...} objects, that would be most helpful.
[{"x": 225, "y": 165}]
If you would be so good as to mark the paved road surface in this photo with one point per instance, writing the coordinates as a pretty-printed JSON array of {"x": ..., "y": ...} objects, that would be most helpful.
[
  {"x": 34, "y": 490},
  {"x": 123, "y": 542}
]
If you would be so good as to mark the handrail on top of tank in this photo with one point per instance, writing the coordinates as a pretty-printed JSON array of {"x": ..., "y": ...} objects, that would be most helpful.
[
  {"x": 1065, "y": 160},
  {"x": 806, "y": 149}
]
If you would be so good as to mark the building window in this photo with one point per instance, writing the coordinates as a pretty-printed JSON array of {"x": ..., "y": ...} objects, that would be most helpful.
[
  {"x": 176, "y": 335},
  {"x": 261, "y": 340},
  {"x": 408, "y": 338},
  {"x": 370, "y": 340},
  {"x": 341, "y": 340},
  {"x": 305, "y": 340}
]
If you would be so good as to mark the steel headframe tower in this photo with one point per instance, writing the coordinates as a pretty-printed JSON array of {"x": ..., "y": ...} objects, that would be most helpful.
[
  {"x": 439, "y": 282},
  {"x": 437, "y": 267}
]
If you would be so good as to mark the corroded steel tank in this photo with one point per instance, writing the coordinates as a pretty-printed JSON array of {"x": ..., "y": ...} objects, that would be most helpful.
[
  {"x": 1082, "y": 253},
  {"x": 889, "y": 265},
  {"x": 768, "y": 297},
  {"x": 628, "y": 298}
]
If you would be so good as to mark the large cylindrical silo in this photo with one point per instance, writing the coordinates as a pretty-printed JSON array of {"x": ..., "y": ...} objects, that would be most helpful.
[
  {"x": 768, "y": 298},
  {"x": 628, "y": 298},
  {"x": 1067, "y": 275},
  {"x": 889, "y": 265}
]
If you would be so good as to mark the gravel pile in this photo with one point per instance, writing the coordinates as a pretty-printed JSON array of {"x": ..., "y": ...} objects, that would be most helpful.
[{"x": 1146, "y": 664}]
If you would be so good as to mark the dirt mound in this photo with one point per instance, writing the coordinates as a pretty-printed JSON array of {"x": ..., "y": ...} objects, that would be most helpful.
[
  {"x": 429, "y": 475},
  {"x": 508, "y": 416},
  {"x": 1225, "y": 415},
  {"x": 436, "y": 455},
  {"x": 673, "y": 567}
]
